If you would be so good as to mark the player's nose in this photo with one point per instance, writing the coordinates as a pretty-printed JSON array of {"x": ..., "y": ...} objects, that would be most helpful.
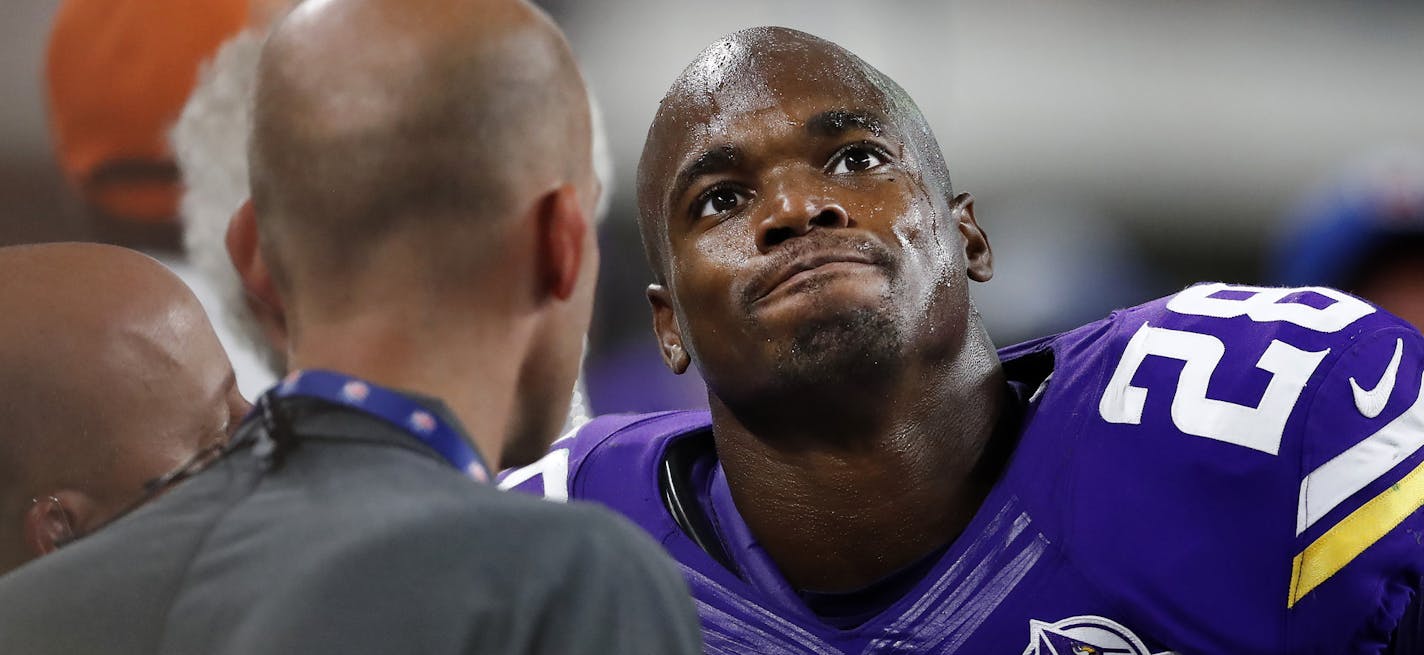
[{"x": 795, "y": 210}]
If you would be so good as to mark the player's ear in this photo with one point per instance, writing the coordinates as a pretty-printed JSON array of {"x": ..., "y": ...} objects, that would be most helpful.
[
  {"x": 978, "y": 256},
  {"x": 562, "y": 227},
  {"x": 51, "y": 520},
  {"x": 252, "y": 270},
  {"x": 666, "y": 328}
]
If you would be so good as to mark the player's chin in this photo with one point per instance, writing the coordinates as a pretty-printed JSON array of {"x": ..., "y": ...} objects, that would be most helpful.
[{"x": 840, "y": 342}]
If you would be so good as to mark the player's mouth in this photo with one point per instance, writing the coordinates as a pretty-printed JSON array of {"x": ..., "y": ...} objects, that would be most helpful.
[{"x": 787, "y": 278}]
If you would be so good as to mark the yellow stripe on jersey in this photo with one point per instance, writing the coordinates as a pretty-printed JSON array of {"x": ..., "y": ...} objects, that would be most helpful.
[{"x": 1346, "y": 540}]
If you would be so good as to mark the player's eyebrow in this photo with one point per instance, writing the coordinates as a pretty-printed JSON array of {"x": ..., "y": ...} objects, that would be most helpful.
[
  {"x": 718, "y": 159},
  {"x": 835, "y": 122}
]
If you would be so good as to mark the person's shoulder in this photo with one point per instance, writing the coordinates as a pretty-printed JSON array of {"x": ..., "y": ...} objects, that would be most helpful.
[
  {"x": 493, "y": 539},
  {"x": 1286, "y": 423},
  {"x": 463, "y": 568},
  {"x": 1311, "y": 386},
  {"x": 1256, "y": 365},
  {"x": 607, "y": 587},
  {"x": 1252, "y": 367},
  {"x": 1307, "y": 317},
  {"x": 580, "y": 578},
  {"x": 121, "y": 579},
  {"x": 572, "y": 527},
  {"x": 491, "y": 530},
  {"x": 615, "y": 450},
  {"x": 1223, "y": 307}
]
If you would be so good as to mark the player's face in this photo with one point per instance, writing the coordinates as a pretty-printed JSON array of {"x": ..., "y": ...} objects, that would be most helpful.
[{"x": 803, "y": 235}]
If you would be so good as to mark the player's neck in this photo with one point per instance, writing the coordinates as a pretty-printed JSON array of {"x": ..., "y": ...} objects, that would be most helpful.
[
  {"x": 470, "y": 363},
  {"x": 839, "y": 511}
]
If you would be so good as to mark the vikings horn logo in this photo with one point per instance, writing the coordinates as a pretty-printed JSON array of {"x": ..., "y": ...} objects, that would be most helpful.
[{"x": 1084, "y": 635}]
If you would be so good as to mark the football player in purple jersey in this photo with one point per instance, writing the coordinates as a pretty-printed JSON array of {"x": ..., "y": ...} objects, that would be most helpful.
[{"x": 1228, "y": 470}]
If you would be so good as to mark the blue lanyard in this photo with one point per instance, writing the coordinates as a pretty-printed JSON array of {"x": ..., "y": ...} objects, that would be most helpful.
[{"x": 389, "y": 406}]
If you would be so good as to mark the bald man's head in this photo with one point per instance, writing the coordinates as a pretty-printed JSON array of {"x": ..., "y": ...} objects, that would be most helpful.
[
  {"x": 429, "y": 122},
  {"x": 424, "y": 167},
  {"x": 759, "y": 70},
  {"x": 110, "y": 375}
]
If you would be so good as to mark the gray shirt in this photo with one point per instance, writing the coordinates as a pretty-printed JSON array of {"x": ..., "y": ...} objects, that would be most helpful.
[{"x": 361, "y": 541}]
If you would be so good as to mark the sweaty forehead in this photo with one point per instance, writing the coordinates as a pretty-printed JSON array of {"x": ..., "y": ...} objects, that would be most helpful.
[
  {"x": 760, "y": 66},
  {"x": 749, "y": 74}
]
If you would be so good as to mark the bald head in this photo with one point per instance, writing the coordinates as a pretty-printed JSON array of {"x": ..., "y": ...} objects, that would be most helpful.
[
  {"x": 110, "y": 375},
  {"x": 426, "y": 122},
  {"x": 750, "y": 73}
]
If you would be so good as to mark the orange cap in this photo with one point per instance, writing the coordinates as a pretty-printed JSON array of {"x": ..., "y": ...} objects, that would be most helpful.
[{"x": 119, "y": 72}]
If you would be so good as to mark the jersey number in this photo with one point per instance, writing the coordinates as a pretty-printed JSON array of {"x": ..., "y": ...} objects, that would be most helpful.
[
  {"x": 554, "y": 469},
  {"x": 1260, "y": 427}
]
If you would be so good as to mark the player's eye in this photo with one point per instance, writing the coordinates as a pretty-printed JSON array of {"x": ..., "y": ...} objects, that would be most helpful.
[
  {"x": 718, "y": 200},
  {"x": 856, "y": 158}
]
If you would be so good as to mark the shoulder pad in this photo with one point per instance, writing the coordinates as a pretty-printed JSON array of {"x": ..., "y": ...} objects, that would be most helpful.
[{"x": 635, "y": 441}]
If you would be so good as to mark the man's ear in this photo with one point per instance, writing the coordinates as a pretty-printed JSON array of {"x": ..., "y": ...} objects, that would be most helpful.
[
  {"x": 53, "y": 520},
  {"x": 562, "y": 228},
  {"x": 978, "y": 256},
  {"x": 262, "y": 297},
  {"x": 666, "y": 328}
]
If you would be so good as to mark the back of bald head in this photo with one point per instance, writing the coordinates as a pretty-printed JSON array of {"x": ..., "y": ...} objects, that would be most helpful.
[
  {"x": 110, "y": 376},
  {"x": 88, "y": 329},
  {"x": 431, "y": 120},
  {"x": 742, "y": 72}
]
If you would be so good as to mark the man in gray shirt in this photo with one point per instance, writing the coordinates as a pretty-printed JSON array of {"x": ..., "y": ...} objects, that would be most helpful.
[{"x": 421, "y": 183}]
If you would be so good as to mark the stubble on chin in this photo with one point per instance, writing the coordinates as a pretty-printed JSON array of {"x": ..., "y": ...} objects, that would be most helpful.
[{"x": 856, "y": 343}]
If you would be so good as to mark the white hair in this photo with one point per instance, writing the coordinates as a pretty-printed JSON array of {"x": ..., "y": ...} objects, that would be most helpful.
[
  {"x": 210, "y": 143},
  {"x": 602, "y": 159}
]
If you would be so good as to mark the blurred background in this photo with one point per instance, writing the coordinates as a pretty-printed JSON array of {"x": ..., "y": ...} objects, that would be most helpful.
[{"x": 1117, "y": 150}]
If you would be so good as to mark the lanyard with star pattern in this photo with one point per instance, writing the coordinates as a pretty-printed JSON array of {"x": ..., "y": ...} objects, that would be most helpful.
[{"x": 389, "y": 406}]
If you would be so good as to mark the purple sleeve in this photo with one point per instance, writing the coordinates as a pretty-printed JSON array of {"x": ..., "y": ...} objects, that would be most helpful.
[
  {"x": 1359, "y": 546},
  {"x": 1287, "y": 424}
]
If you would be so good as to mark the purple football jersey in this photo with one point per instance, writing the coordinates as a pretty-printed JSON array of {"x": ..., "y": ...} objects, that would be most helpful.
[{"x": 1231, "y": 470}]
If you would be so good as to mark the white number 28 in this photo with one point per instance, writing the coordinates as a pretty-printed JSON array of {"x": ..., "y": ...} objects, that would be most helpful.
[{"x": 1260, "y": 427}]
